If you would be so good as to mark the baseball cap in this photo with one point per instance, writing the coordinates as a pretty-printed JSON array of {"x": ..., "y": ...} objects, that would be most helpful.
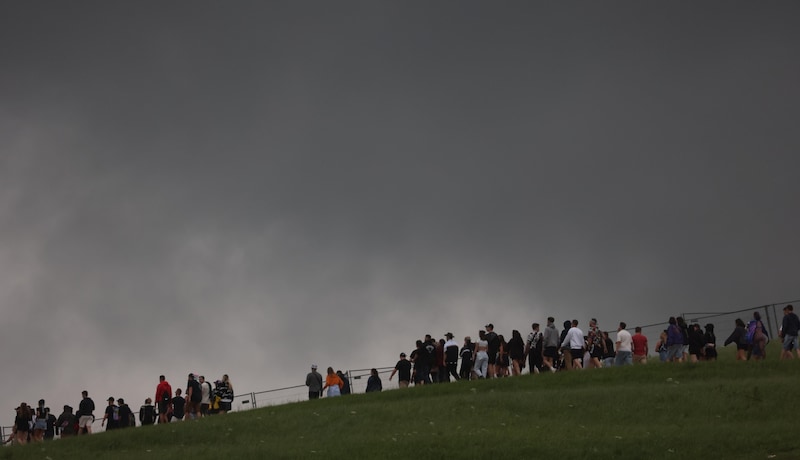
[
  {"x": 490, "y": 325},
  {"x": 402, "y": 355},
  {"x": 313, "y": 366}
]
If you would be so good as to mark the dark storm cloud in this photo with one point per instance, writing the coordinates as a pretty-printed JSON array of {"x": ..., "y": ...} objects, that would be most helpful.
[{"x": 250, "y": 187}]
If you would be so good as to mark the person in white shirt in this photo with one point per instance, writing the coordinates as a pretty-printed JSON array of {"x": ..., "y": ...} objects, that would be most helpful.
[
  {"x": 481, "y": 364},
  {"x": 575, "y": 343},
  {"x": 624, "y": 343}
]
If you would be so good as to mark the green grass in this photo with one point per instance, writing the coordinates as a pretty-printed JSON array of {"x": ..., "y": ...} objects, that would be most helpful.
[{"x": 726, "y": 409}]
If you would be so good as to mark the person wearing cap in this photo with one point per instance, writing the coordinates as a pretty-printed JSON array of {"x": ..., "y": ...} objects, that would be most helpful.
[
  {"x": 314, "y": 383},
  {"x": 403, "y": 367},
  {"x": 111, "y": 415},
  {"x": 126, "y": 418},
  {"x": 451, "y": 357}
]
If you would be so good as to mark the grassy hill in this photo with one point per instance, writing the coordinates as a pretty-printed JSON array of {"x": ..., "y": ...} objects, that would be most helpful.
[{"x": 726, "y": 409}]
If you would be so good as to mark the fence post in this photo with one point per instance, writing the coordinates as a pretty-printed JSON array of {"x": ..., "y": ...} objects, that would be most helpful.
[
  {"x": 769, "y": 320},
  {"x": 253, "y": 399}
]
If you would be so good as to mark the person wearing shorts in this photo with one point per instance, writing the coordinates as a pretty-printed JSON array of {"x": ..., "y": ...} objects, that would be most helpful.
[
  {"x": 790, "y": 327},
  {"x": 574, "y": 342},
  {"x": 86, "y": 409},
  {"x": 163, "y": 399}
]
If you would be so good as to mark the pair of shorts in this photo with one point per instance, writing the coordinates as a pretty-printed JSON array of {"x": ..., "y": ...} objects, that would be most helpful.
[
  {"x": 790, "y": 342},
  {"x": 492, "y": 356},
  {"x": 85, "y": 421},
  {"x": 163, "y": 407},
  {"x": 674, "y": 352},
  {"x": 551, "y": 352}
]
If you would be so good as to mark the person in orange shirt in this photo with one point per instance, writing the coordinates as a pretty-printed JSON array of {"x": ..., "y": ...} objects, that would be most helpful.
[{"x": 333, "y": 383}]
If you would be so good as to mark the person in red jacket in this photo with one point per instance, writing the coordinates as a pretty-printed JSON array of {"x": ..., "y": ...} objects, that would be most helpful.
[{"x": 163, "y": 399}]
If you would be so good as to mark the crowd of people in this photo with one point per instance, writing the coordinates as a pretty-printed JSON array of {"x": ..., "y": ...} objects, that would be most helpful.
[
  {"x": 432, "y": 361},
  {"x": 199, "y": 399},
  {"x": 548, "y": 350}
]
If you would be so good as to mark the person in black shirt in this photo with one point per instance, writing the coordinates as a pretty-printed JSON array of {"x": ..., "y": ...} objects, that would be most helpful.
[
  {"x": 147, "y": 413},
  {"x": 50, "y": 431},
  {"x": 466, "y": 358},
  {"x": 451, "y": 357},
  {"x": 403, "y": 368},
  {"x": 85, "y": 414},
  {"x": 374, "y": 382},
  {"x": 178, "y": 405},
  {"x": 126, "y": 418},
  {"x": 65, "y": 424},
  {"x": 494, "y": 347},
  {"x": 111, "y": 415},
  {"x": 194, "y": 394}
]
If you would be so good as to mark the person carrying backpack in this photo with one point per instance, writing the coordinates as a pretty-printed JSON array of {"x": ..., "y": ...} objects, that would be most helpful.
[
  {"x": 147, "y": 413},
  {"x": 739, "y": 337}
]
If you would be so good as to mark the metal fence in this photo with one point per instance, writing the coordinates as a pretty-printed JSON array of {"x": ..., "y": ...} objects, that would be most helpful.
[{"x": 771, "y": 315}]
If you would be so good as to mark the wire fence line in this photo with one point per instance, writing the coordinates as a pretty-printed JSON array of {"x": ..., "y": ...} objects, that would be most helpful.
[
  {"x": 358, "y": 377},
  {"x": 772, "y": 317}
]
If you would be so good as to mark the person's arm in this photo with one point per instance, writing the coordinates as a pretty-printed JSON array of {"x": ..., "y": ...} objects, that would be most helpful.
[{"x": 392, "y": 374}]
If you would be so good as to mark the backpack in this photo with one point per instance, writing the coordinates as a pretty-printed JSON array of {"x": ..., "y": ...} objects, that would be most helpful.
[{"x": 751, "y": 332}]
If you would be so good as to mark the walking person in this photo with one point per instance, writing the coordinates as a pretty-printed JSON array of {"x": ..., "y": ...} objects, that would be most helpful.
[
  {"x": 739, "y": 337},
  {"x": 516, "y": 352},
  {"x": 534, "y": 350},
  {"x": 790, "y": 327},
  {"x": 86, "y": 414},
  {"x": 640, "y": 349},
  {"x": 314, "y": 383},
  {"x": 550, "y": 343},
  {"x": 624, "y": 346},
  {"x": 111, "y": 415},
  {"x": 574, "y": 343},
  {"x": 403, "y": 368},
  {"x": 451, "y": 357}
]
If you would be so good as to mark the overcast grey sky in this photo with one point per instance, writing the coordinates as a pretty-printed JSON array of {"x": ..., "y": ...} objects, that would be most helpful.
[{"x": 250, "y": 187}]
